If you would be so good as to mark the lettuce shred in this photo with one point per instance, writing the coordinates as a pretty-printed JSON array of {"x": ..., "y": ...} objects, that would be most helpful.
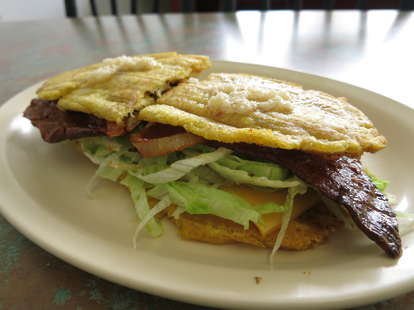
[
  {"x": 381, "y": 184},
  {"x": 180, "y": 168},
  {"x": 139, "y": 197},
  {"x": 203, "y": 199},
  {"x": 292, "y": 192},
  {"x": 190, "y": 179},
  {"x": 243, "y": 177}
]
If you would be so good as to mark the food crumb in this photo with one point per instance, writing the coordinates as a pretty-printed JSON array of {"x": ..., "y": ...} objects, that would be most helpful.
[
  {"x": 307, "y": 273},
  {"x": 258, "y": 279}
]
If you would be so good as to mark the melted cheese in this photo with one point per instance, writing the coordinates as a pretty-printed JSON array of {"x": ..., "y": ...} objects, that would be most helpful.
[{"x": 269, "y": 222}]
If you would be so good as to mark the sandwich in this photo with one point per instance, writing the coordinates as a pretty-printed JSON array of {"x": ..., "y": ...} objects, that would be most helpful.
[{"x": 231, "y": 158}]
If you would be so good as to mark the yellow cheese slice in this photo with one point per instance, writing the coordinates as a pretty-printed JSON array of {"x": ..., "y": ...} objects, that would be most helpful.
[
  {"x": 302, "y": 233},
  {"x": 269, "y": 222},
  {"x": 272, "y": 221}
]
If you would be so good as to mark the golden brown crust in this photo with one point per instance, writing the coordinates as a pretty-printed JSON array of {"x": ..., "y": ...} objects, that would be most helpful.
[
  {"x": 235, "y": 108},
  {"x": 311, "y": 229},
  {"x": 117, "y": 87}
]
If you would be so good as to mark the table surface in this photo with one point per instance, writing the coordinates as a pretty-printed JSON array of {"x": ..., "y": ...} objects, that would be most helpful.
[{"x": 372, "y": 49}]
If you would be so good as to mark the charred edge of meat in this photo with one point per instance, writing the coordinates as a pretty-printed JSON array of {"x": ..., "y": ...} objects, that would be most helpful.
[
  {"x": 56, "y": 125},
  {"x": 342, "y": 179}
]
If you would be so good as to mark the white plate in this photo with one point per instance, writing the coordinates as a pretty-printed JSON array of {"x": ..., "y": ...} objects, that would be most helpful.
[{"x": 42, "y": 193}]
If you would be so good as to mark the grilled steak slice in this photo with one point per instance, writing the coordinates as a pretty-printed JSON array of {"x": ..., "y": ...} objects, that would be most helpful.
[
  {"x": 56, "y": 125},
  {"x": 342, "y": 179}
]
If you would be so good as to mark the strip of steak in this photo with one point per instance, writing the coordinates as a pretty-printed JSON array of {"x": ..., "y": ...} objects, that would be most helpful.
[
  {"x": 56, "y": 125},
  {"x": 342, "y": 179}
]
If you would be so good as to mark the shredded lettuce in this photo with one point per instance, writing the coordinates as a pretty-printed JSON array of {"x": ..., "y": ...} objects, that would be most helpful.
[
  {"x": 189, "y": 179},
  {"x": 340, "y": 212},
  {"x": 107, "y": 172},
  {"x": 269, "y": 170},
  {"x": 145, "y": 221},
  {"x": 381, "y": 184},
  {"x": 111, "y": 167},
  {"x": 243, "y": 177},
  {"x": 292, "y": 192},
  {"x": 197, "y": 150},
  {"x": 271, "y": 207},
  {"x": 153, "y": 164},
  {"x": 158, "y": 191},
  {"x": 205, "y": 175},
  {"x": 97, "y": 149},
  {"x": 177, "y": 212},
  {"x": 203, "y": 199},
  {"x": 139, "y": 197},
  {"x": 180, "y": 168},
  {"x": 103, "y": 171}
]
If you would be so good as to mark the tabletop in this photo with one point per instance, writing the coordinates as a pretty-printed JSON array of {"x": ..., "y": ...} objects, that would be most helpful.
[{"x": 370, "y": 49}]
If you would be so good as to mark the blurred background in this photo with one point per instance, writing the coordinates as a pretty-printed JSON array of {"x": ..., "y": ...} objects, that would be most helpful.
[{"x": 13, "y": 10}]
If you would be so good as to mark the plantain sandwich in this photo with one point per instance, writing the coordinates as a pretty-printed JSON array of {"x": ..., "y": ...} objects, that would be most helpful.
[{"x": 231, "y": 158}]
